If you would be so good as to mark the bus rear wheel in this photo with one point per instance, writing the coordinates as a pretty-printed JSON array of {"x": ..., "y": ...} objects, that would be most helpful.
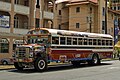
[
  {"x": 40, "y": 64},
  {"x": 95, "y": 60}
]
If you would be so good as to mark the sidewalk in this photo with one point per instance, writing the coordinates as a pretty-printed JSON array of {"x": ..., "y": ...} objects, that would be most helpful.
[{"x": 6, "y": 67}]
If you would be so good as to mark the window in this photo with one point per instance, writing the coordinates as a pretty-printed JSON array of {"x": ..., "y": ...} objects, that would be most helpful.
[
  {"x": 85, "y": 41},
  {"x": 59, "y": 26},
  {"x": 55, "y": 40},
  {"x": 118, "y": 7},
  {"x": 94, "y": 42},
  {"x": 4, "y": 46},
  {"x": 74, "y": 41},
  {"x": 103, "y": 42},
  {"x": 16, "y": 1},
  {"x": 16, "y": 43},
  {"x": 103, "y": 11},
  {"x": 107, "y": 42},
  {"x": 37, "y": 23},
  {"x": 77, "y": 25},
  {"x": 78, "y": 9},
  {"x": 59, "y": 12},
  {"x": 90, "y": 9},
  {"x": 16, "y": 22},
  {"x": 62, "y": 40},
  {"x": 111, "y": 42},
  {"x": 68, "y": 41},
  {"x": 37, "y": 5},
  {"x": 114, "y": 7},
  {"x": 90, "y": 41},
  {"x": 119, "y": 22},
  {"x": 80, "y": 41},
  {"x": 26, "y": 3},
  {"x": 103, "y": 25},
  {"x": 99, "y": 42}
]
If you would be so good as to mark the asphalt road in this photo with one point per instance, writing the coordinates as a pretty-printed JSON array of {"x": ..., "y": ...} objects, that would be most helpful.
[{"x": 108, "y": 70}]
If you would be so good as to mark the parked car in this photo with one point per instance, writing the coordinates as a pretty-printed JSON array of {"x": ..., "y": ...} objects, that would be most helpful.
[{"x": 6, "y": 61}]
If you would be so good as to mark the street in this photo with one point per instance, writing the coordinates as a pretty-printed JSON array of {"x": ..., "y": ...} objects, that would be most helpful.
[{"x": 108, "y": 70}]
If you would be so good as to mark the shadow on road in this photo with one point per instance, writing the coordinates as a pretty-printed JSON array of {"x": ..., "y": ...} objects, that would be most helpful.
[{"x": 57, "y": 68}]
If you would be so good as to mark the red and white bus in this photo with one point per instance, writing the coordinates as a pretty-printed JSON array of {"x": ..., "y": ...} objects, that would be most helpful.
[{"x": 51, "y": 45}]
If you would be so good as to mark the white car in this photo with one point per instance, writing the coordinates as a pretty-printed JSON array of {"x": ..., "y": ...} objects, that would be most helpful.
[{"x": 6, "y": 61}]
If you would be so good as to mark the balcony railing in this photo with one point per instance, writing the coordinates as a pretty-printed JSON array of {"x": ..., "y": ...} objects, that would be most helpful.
[
  {"x": 5, "y": 6},
  {"x": 6, "y": 30},
  {"x": 48, "y": 15},
  {"x": 20, "y": 31},
  {"x": 22, "y": 9}
]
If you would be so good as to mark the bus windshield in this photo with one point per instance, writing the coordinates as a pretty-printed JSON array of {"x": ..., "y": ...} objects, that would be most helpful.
[{"x": 37, "y": 40}]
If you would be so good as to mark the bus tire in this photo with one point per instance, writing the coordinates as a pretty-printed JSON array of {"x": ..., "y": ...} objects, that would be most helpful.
[
  {"x": 40, "y": 64},
  {"x": 18, "y": 66},
  {"x": 95, "y": 60}
]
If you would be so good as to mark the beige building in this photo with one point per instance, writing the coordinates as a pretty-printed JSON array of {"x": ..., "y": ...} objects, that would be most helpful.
[
  {"x": 84, "y": 15},
  {"x": 115, "y": 5},
  {"x": 17, "y": 17}
]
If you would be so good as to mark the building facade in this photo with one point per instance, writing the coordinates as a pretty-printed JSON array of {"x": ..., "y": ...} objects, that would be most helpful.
[
  {"x": 115, "y": 6},
  {"x": 85, "y": 16},
  {"x": 17, "y": 17}
]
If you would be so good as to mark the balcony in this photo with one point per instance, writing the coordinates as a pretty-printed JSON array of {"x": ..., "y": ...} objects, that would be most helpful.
[
  {"x": 20, "y": 9},
  {"x": 48, "y": 15},
  {"x": 20, "y": 31},
  {"x": 5, "y": 6},
  {"x": 6, "y": 30}
]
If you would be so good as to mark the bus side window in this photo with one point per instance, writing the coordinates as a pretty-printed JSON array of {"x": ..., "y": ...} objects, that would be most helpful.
[
  {"x": 85, "y": 41},
  {"x": 80, "y": 41},
  {"x": 74, "y": 41},
  {"x": 55, "y": 40},
  {"x": 62, "y": 40},
  {"x": 69, "y": 41},
  {"x": 90, "y": 41},
  {"x": 111, "y": 42},
  {"x": 94, "y": 42},
  {"x": 107, "y": 43},
  {"x": 99, "y": 42},
  {"x": 103, "y": 42}
]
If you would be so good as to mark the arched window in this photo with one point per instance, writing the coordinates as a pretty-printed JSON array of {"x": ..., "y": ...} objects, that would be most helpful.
[
  {"x": 4, "y": 45},
  {"x": 17, "y": 42}
]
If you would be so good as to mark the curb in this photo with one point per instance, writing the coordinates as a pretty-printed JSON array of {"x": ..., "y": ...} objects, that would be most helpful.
[{"x": 6, "y": 67}]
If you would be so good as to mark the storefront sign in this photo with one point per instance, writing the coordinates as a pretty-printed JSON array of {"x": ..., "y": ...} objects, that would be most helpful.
[{"x": 4, "y": 21}]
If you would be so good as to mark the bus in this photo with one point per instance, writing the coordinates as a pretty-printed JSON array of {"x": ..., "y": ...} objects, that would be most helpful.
[{"x": 44, "y": 46}]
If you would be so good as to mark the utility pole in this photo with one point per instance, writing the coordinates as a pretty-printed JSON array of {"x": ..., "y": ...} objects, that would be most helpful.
[
  {"x": 90, "y": 19},
  {"x": 106, "y": 11}
]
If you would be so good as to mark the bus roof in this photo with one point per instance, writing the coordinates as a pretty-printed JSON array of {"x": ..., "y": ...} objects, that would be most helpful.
[{"x": 67, "y": 32}]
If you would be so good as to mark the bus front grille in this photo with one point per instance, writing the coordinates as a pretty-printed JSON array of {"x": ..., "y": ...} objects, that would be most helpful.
[{"x": 22, "y": 52}]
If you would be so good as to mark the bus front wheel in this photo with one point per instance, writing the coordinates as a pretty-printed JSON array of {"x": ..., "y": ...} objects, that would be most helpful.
[{"x": 40, "y": 64}]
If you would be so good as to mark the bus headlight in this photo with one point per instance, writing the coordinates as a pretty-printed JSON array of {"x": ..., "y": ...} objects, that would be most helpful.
[{"x": 31, "y": 55}]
